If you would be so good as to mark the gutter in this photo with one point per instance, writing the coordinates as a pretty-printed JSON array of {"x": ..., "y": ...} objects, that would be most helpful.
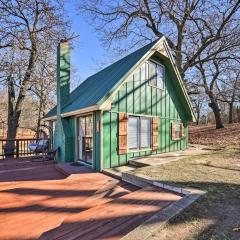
[{"x": 73, "y": 113}]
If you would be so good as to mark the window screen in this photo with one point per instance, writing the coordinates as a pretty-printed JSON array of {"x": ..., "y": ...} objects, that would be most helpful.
[
  {"x": 133, "y": 133},
  {"x": 177, "y": 131},
  {"x": 160, "y": 76},
  {"x": 139, "y": 130},
  {"x": 156, "y": 75},
  {"x": 145, "y": 132},
  {"x": 152, "y": 74}
]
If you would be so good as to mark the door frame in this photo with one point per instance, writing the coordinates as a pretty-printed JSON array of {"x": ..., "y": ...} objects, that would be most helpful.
[{"x": 77, "y": 140}]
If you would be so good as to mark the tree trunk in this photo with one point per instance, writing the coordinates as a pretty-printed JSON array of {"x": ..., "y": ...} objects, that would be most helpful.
[
  {"x": 198, "y": 117},
  {"x": 39, "y": 115},
  {"x": 238, "y": 114},
  {"x": 178, "y": 52},
  {"x": 198, "y": 111},
  {"x": 216, "y": 111},
  {"x": 15, "y": 107},
  {"x": 230, "y": 113},
  {"x": 12, "y": 118},
  {"x": 40, "y": 95}
]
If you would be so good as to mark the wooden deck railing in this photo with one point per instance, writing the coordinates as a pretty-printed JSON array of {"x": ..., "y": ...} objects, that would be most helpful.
[{"x": 20, "y": 147}]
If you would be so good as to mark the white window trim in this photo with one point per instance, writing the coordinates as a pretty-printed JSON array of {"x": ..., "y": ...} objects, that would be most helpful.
[{"x": 139, "y": 148}]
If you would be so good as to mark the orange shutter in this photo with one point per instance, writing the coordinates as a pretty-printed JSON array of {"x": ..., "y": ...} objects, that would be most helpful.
[
  {"x": 173, "y": 130},
  {"x": 122, "y": 133},
  {"x": 181, "y": 130},
  {"x": 155, "y": 133}
]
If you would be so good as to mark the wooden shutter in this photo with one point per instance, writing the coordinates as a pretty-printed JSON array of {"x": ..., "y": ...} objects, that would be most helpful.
[
  {"x": 173, "y": 130},
  {"x": 122, "y": 133},
  {"x": 181, "y": 130},
  {"x": 155, "y": 133}
]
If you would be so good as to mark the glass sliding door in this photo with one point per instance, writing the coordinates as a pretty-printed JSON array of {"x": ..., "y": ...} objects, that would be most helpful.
[{"x": 85, "y": 139}]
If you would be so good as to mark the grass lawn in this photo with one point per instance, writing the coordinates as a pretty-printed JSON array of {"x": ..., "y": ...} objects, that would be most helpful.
[{"x": 217, "y": 214}]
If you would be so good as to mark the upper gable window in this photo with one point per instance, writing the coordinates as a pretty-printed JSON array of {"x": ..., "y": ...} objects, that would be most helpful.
[{"x": 155, "y": 75}]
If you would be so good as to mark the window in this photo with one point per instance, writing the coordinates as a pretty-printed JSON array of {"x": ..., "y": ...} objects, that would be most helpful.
[
  {"x": 145, "y": 132},
  {"x": 139, "y": 130},
  {"x": 160, "y": 76},
  {"x": 177, "y": 131},
  {"x": 133, "y": 138},
  {"x": 156, "y": 75},
  {"x": 152, "y": 74}
]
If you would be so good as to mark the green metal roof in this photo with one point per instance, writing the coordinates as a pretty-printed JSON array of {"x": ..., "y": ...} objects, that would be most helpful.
[{"x": 97, "y": 86}]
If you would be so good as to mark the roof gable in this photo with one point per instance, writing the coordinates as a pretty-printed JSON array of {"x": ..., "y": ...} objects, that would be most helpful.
[
  {"x": 95, "y": 87},
  {"x": 161, "y": 46},
  {"x": 100, "y": 88}
]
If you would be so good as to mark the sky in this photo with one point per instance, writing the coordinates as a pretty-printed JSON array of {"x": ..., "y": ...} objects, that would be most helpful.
[{"x": 87, "y": 50}]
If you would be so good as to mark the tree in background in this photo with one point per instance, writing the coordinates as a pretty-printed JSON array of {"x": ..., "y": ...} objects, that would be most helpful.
[
  {"x": 28, "y": 30},
  {"x": 43, "y": 86},
  {"x": 200, "y": 32},
  {"x": 198, "y": 101},
  {"x": 209, "y": 74},
  {"x": 229, "y": 89}
]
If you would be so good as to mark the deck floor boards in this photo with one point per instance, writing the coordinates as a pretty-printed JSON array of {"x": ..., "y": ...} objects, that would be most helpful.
[{"x": 36, "y": 202}]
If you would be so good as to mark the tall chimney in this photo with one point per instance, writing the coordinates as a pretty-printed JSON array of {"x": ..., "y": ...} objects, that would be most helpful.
[
  {"x": 63, "y": 74},
  {"x": 63, "y": 134}
]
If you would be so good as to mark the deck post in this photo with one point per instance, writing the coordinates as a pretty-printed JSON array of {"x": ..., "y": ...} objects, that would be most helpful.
[{"x": 17, "y": 148}]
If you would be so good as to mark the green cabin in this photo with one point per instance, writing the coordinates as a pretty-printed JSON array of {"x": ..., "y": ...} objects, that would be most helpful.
[{"x": 136, "y": 107}]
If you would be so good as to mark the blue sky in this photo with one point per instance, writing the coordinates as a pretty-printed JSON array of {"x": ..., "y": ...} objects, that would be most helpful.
[{"x": 87, "y": 50}]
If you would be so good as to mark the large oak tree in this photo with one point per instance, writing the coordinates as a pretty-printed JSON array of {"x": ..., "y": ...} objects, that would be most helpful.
[
  {"x": 200, "y": 32},
  {"x": 28, "y": 30}
]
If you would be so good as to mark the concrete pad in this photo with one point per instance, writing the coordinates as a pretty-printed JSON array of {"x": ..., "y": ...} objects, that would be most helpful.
[{"x": 164, "y": 158}]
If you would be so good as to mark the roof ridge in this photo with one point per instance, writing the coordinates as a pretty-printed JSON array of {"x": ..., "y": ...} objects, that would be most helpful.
[
  {"x": 97, "y": 85},
  {"x": 105, "y": 68}
]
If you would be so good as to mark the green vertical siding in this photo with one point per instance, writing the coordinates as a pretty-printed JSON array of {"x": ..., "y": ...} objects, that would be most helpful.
[
  {"x": 96, "y": 141},
  {"x": 137, "y": 97},
  {"x": 106, "y": 140},
  {"x": 74, "y": 134}
]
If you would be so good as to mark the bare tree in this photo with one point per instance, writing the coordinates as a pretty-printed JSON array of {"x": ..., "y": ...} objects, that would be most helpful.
[
  {"x": 200, "y": 32},
  {"x": 194, "y": 27},
  {"x": 27, "y": 28},
  {"x": 199, "y": 104},
  {"x": 43, "y": 86},
  {"x": 209, "y": 74},
  {"x": 229, "y": 89}
]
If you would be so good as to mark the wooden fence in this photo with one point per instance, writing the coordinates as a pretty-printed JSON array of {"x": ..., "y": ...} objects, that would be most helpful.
[{"x": 20, "y": 147}]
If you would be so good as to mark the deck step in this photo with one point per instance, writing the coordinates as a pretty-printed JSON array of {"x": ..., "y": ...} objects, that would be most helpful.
[
  {"x": 68, "y": 168},
  {"x": 116, "y": 172},
  {"x": 114, "y": 219},
  {"x": 137, "y": 163}
]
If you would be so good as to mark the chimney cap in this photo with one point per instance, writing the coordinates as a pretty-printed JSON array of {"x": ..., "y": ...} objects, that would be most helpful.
[{"x": 63, "y": 40}]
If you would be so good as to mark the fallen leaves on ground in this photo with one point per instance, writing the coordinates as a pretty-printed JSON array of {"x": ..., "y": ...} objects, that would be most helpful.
[{"x": 209, "y": 135}]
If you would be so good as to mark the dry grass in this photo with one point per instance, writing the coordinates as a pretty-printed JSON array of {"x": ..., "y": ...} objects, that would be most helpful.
[{"x": 216, "y": 215}]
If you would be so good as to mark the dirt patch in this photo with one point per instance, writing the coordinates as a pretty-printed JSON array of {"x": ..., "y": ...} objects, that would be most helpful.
[{"x": 217, "y": 214}]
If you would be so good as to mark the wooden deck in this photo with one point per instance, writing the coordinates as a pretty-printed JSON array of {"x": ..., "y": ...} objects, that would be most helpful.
[{"x": 38, "y": 202}]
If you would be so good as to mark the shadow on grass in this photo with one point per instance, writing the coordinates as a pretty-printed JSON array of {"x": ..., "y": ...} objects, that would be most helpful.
[
  {"x": 213, "y": 166},
  {"x": 213, "y": 216}
]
